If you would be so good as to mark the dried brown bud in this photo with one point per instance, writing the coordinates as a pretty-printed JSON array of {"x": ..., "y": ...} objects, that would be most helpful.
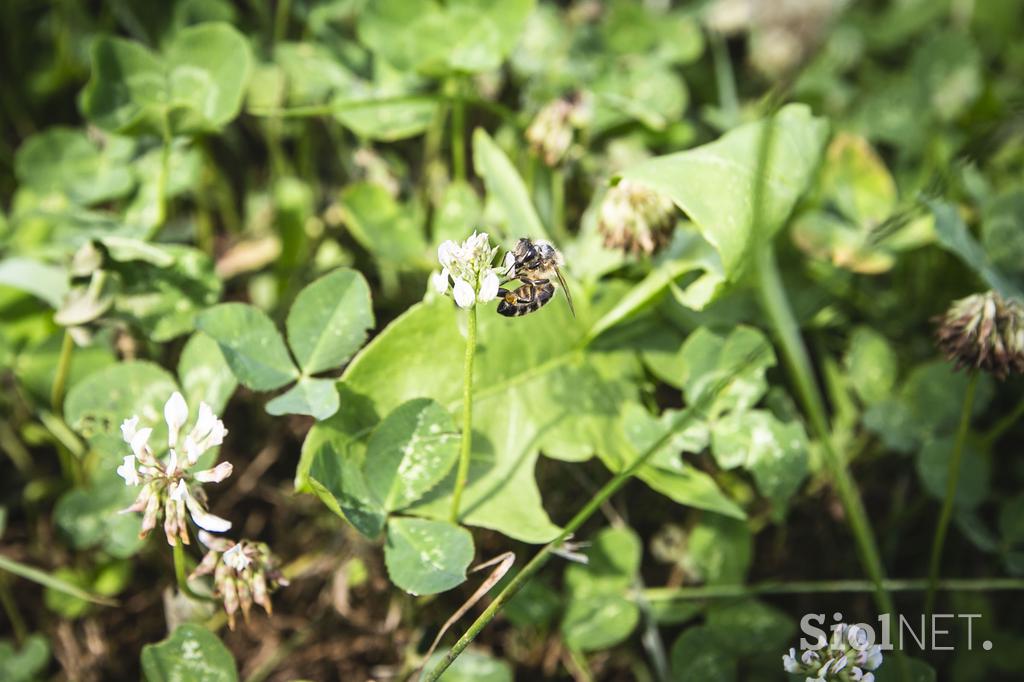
[{"x": 984, "y": 331}]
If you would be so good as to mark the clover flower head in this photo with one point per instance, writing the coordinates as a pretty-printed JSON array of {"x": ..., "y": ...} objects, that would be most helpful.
[
  {"x": 244, "y": 573},
  {"x": 555, "y": 127},
  {"x": 635, "y": 219},
  {"x": 847, "y": 657},
  {"x": 466, "y": 270},
  {"x": 169, "y": 486},
  {"x": 984, "y": 331}
]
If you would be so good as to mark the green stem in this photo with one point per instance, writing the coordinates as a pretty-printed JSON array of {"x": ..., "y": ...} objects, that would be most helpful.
[
  {"x": 467, "y": 416},
  {"x": 558, "y": 204},
  {"x": 182, "y": 577},
  {"x": 459, "y": 135},
  {"x": 725, "y": 79},
  {"x": 11, "y": 609},
  {"x": 60, "y": 377},
  {"x": 952, "y": 478},
  {"x": 607, "y": 490},
  {"x": 163, "y": 179},
  {"x": 281, "y": 13},
  {"x": 776, "y": 306},
  {"x": 663, "y": 594}
]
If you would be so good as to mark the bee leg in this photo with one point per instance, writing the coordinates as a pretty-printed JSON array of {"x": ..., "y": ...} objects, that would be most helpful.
[{"x": 506, "y": 302}]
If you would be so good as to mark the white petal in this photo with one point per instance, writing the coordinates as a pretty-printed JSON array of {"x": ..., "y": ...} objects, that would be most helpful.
[
  {"x": 139, "y": 441},
  {"x": 179, "y": 491},
  {"x": 446, "y": 253},
  {"x": 203, "y": 518},
  {"x": 172, "y": 462},
  {"x": 488, "y": 288},
  {"x": 236, "y": 559},
  {"x": 127, "y": 471},
  {"x": 439, "y": 280},
  {"x": 216, "y": 474},
  {"x": 176, "y": 414},
  {"x": 464, "y": 294},
  {"x": 128, "y": 427},
  {"x": 217, "y": 544}
]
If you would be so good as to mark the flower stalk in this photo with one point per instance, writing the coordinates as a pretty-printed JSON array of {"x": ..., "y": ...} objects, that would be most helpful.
[
  {"x": 462, "y": 474},
  {"x": 952, "y": 479},
  {"x": 181, "y": 574}
]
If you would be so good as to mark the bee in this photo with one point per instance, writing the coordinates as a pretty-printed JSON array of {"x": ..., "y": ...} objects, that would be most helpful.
[{"x": 535, "y": 264}]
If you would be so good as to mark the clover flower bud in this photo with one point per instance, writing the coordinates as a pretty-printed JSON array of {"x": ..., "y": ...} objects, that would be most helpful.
[
  {"x": 244, "y": 573},
  {"x": 984, "y": 331},
  {"x": 555, "y": 127},
  {"x": 635, "y": 219},
  {"x": 847, "y": 656},
  {"x": 466, "y": 270},
  {"x": 169, "y": 486}
]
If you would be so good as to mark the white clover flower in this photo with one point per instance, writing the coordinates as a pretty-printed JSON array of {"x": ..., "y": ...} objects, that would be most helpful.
[
  {"x": 552, "y": 132},
  {"x": 846, "y": 657},
  {"x": 168, "y": 485},
  {"x": 244, "y": 573},
  {"x": 466, "y": 268}
]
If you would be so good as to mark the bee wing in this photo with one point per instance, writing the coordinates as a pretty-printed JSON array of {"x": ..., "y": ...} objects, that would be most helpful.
[{"x": 565, "y": 288}]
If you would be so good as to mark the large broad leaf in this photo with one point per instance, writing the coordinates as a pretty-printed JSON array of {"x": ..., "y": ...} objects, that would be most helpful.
[
  {"x": 96, "y": 406},
  {"x": 332, "y": 464},
  {"x": 196, "y": 86},
  {"x": 535, "y": 390},
  {"x": 89, "y": 516},
  {"x": 191, "y": 653},
  {"x": 714, "y": 184},
  {"x": 461, "y": 36},
  {"x": 775, "y": 453},
  {"x": 700, "y": 656},
  {"x": 706, "y": 359},
  {"x": 251, "y": 345},
  {"x": 666, "y": 471},
  {"x": 427, "y": 557},
  {"x": 409, "y": 452},
  {"x": 506, "y": 187},
  {"x": 204, "y": 374},
  {"x": 329, "y": 319},
  {"x": 65, "y": 160},
  {"x": 694, "y": 254},
  {"x": 317, "y": 398}
]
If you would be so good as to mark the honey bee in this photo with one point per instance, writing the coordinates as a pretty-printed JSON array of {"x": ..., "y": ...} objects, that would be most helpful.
[{"x": 534, "y": 263}]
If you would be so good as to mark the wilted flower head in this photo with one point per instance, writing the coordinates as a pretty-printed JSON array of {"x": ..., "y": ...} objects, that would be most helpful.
[
  {"x": 984, "y": 331},
  {"x": 783, "y": 32},
  {"x": 554, "y": 128},
  {"x": 169, "y": 488},
  {"x": 466, "y": 268},
  {"x": 849, "y": 657},
  {"x": 243, "y": 572},
  {"x": 635, "y": 218}
]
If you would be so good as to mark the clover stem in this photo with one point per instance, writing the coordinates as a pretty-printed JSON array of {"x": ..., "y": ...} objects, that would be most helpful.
[
  {"x": 952, "y": 478},
  {"x": 558, "y": 204},
  {"x": 459, "y": 134},
  {"x": 725, "y": 80},
  {"x": 467, "y": 416},
  {"x": 162, "y": 179},
  {"x": 593, "y": 504},
  {"x": 60, "y": 377},
  {"x": 776, "y": 306},
  {"x": 180, "y": 575}
]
